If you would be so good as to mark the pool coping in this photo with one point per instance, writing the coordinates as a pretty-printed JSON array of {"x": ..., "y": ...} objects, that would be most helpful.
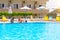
[{"x": 16, "y": 21}]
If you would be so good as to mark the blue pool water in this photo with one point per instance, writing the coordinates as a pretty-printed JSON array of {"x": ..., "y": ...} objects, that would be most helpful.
[{"x": 30, "y": 31}]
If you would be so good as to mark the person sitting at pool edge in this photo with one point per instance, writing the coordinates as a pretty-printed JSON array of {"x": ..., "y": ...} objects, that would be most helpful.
[
  {"x": 20, "y": 20},
  {"x": 12, "y": 20}
]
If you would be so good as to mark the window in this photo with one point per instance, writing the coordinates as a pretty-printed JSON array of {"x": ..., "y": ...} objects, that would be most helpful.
[
  {"x": 29, "y": 6},
  {"x": 40, "y": 5},
  {"x": 1, "y": 5},
  {"x": 16, "y": 6}
]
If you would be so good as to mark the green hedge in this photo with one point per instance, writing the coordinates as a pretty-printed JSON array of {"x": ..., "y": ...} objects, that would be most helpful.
[{"x": 16, "y": 14}]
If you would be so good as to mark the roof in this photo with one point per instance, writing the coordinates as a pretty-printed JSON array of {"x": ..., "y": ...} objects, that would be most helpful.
[{"x": 56, "y": 11}]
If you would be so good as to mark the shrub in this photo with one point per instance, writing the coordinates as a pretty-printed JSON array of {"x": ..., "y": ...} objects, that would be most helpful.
[{"x": 16, "y": 14}]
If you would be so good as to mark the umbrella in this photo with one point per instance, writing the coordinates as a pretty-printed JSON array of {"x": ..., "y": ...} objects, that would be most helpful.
[
  {"x": 51, "y": 10},
  {"x": 42, "y": 7},
  {"x": 31, "y": 17},
  {"x": 10, "y": 10},
  {"x": 25, "y": 7}
]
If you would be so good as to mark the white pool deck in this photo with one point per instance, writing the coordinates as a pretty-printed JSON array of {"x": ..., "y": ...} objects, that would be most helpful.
[{"x": 29, "y": 20}]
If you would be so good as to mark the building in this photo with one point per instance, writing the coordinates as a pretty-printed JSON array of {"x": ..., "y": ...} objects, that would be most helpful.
[{"x": 16, "y": 4}]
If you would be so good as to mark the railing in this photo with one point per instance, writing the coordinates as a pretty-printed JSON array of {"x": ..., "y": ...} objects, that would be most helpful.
[
  {"x": 3, "y": 10},
  {"x": 35, "y": 11}
]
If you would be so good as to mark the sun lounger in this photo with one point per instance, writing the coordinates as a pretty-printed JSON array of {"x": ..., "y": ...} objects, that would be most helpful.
[
  {"x": 57, "y": 18},
  {"x": 4, "y": 19}
]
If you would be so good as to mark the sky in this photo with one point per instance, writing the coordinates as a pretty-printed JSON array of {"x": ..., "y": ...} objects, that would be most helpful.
[{"x": 53, "y": 4}]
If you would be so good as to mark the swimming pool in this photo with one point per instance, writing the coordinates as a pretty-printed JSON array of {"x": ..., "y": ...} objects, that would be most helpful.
[{"x": 30, "y": 31}]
